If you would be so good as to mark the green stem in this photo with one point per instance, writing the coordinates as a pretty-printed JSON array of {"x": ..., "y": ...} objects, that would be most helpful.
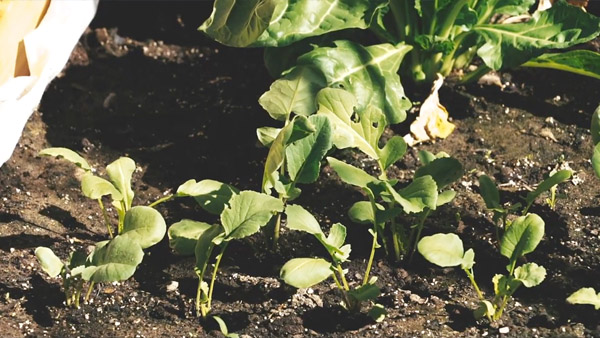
[
  {"x": 89, "y": 292},
  {"x": 500, "y": 310},
  {"x": 399, "y": 18},
  {"x": 276, "y": 230},
  {"x": 474, "y": 283},
  {"x": 371, "y": 258},
  {"x": 414, "y": 240},
  {"x": 396, "y": 239},
  {"x": 448, "y": 23},
  {"x": 214, "y": 276},
  {"x": 199, "y": 308},
  {"x": 475, "y": 75},
  {"x": 122, "y": 218},
  {"x": 106, "y": 220},
  {"x": 161, "y": 200},
  {"x": 448, "y": 60}
]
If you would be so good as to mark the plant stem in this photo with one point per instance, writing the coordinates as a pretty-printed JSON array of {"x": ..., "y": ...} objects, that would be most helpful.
[
  {"x": 106, "y": 220},
  {"x": 214, "y": 275},
  {"x": 399, "y": 18},
  {"x": 89, "y": 292},
  {"x": 448, "y": 60},
  {"x": 448, "y": 23},
  {"x": 276, "y": 230},
  {"x": 475, "y": 75},
  {"x": 371, "y": 257},
  {"x": 161, "y": 200},
  {"x": 474, "y": 283},
  {"x": 414, "y": 240}
]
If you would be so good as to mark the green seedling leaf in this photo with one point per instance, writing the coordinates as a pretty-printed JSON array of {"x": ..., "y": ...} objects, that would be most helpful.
[
  {"x": 337, "y": 235},
  {"x": 300, "y": 219},
  {"x": 266, "y": 135},
  {"x": 547, "y": 184},
  {"x": 351, "y": 174},
  {"x": 50, "y": 263},
  {"x": 120, "y": 172},
  {"x": 530, "y": 274},
  {"x": 296, "y": 129},
  {"x": 211, "y": 195},
  {"x": 444, "y": 250},
  {"x": 595, "y": 127},
  {"x": 421, "y": 193},
  {"x": 522, "y": 237},
  {"x": 365, "y": 292},
  {"x": 426, "y": 157},
  {"x": 444, "y": 171},
  {"x": 362, "y": 213},
  {"x": 561, "y": 26},
  {"x": 581, "y": 61},
  {"x": 468, "y": 260},
  {"x": 68, "y": 155},
  {"x": 240, "y": 23},
  {"x": 596, "y": 160},
  {"x": 294, "y": 93},
  {"x": 370, "y": 74},
  {"x": 95, "y": 187},
  {"x": 184, "y": 234},
  {"x": 489, "y": 192},
  {"x": 586, "y": 296},
  {"x": 485, "y": 309},
  {"x": 223, "y": 328},
  {"x": 505, "y": 285},
  {"x": 77, "y": 259},
  {"x": 303, "y": 157},
  {"x": 205, "y": 245},
  {"x": 247, "y": 212},
  {"x": 351, "y": 129},
  {"x": 305, "y": 272},
  {"x": 113, "y": 260},
  {"x": 394, "y": 150},
  {"x": 445, "y": 196},
  {"x": 377, "y": 313},
  {"x": 144, "y": 225}
]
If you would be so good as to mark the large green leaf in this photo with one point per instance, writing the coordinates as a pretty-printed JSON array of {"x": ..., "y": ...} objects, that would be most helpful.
[
  {"x": 296, "y": 129},
  {"x": 144, "y": 225},
  {"x": 68, "y": 155},
  {"x": 247, "y": 212},
  {"x": 561, "y": 26},
  {"x": 113, "y": 260},
  {"x": 370, "y": 74},
  {"x": 305, "y": 272},
  {"x": 95, "y": 187},
  {"x": 444, "y": 250},
  {"x": 120, "y": 172},
  {"x": 351, "y": 174},
  {"x": 530, "y": 274},
  {"x": 489, "y": 192},
  {"x": 293, "y": 93},
  {"x": 50, "y": 263},
  {"x": 300, "y": 219},
  {"x": 184, "y": 234},
  {"x": 303, "y": 157},
  {"x": 239, "y": 23},
  {"x": 421, "y": 193},
  {"x": 581, "y": 61},
  {"x": 444, "y": 171},
  {"x": 522, "y": 237},
  {"x": 281, "y": 22},
  {"x": 585, "y": 296},
  {"x": 211, "y": 195}
]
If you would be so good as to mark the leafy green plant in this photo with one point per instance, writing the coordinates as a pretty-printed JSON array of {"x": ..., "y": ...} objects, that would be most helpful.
[
  {"x": 307, "y": 272},
  {"x": 491, "y": 196},
  {"x": 521, "y": 238},
  {"x": 587, "y": 296},
  {"x": 138, "y": 228},
  {"x": 316, "y": 45},
  {"x": 241, "y": 214}
]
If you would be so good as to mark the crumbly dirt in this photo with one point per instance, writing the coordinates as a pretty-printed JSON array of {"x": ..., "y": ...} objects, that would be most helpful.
[{"x": 184, "y": 107}]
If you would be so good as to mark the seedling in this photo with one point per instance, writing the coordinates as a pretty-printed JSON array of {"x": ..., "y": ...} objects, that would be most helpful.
[
  {"x": 307, "y": 272},
  {"x": 138, "y": 228},
  {"x": 491, "y": 197},
  {"x": 521, "y": 238},
  {"x": 242, "y": 214},
  {"x": 595, "y": 130},
  {"x": 587, "y": 296}
]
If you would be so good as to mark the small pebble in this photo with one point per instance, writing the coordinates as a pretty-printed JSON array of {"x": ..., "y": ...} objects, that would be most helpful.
[{"x": 504, "y": 330}]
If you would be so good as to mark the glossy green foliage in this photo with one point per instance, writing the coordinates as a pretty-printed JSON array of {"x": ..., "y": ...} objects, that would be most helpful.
[
  {"x": 581, "y": 61},
  {"x": 211, "y": 195},
  {"x": 68, "y": 155},
  {"x": 521, "y": 238},
  {"x": 585, "y": 296},
  {"x": 305, "y": 272},
  {"x": 445, "y": 250},
  {"x": 184, "y": 234},
  {"x": 50, "y": 263}
]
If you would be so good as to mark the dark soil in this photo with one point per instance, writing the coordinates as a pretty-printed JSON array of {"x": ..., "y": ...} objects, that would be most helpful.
[{"x": 183, "y": 107}]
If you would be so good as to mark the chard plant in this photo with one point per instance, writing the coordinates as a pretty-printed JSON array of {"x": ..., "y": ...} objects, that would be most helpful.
[
  {"x": 241, "y": 214},
  {"x": 362, "y": 45},
  {"x": 521, "y": 238},
  {"x": 116, "y": 259},
  {"x": 307, "y": 272},
  {"x": 501, "y": 212}
]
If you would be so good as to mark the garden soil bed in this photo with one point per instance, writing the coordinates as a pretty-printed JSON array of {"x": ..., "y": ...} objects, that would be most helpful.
[{"x": 182, "y": 107}]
